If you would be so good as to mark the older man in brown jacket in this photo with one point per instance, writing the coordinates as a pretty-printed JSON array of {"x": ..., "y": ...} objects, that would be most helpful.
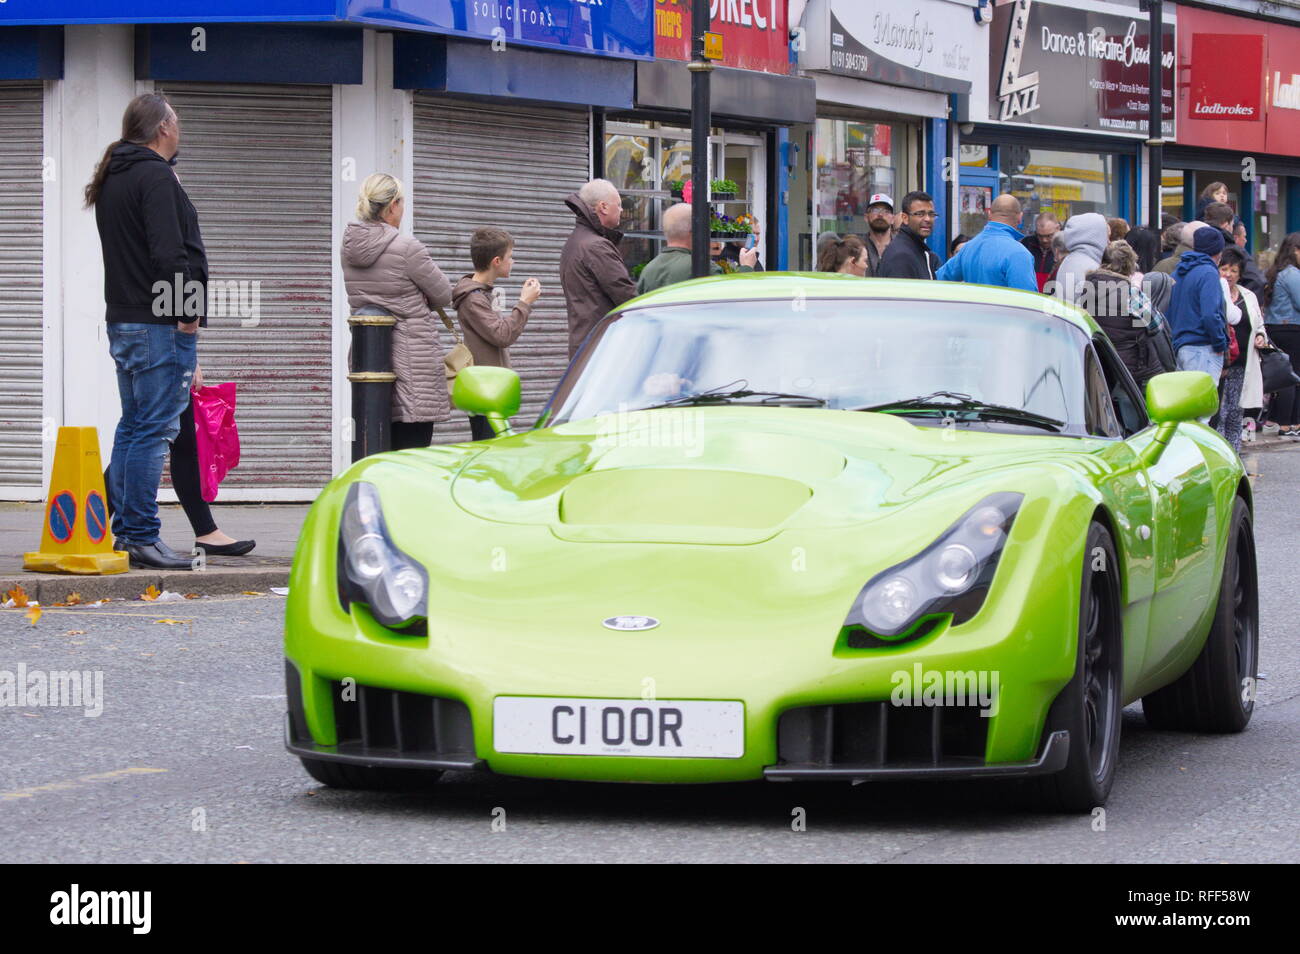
[{"x": 592, "y": 273}]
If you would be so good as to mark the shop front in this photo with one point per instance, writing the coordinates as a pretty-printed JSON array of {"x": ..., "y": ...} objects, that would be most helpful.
[
  {"x": 885, "y": 74},
  {"x": 484, "y": 111},
  {"x": 1066, "y": 114},
  {"x": 646, "y": 151},
  {"x": 29, "y": 58},
  {"x": 1239, "y": 126}
]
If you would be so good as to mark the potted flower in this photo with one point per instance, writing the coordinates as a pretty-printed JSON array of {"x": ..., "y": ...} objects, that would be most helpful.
[
  {"x": 724, "y": 189},
  {"x": 676, "y": 186}
]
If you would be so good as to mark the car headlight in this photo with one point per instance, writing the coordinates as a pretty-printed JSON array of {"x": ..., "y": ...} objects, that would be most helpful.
[
  {"x": 372, "y": 570},
  {"x": 952, "y": 575}
]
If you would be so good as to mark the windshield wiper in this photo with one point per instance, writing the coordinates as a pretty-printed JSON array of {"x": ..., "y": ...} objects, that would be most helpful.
[
  {"x": 964, "y": 402},
  {"x": 727, "y": 397}
]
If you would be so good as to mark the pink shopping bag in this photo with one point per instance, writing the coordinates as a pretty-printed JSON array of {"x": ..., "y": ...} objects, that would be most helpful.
[{"x": 216, "y": 435}]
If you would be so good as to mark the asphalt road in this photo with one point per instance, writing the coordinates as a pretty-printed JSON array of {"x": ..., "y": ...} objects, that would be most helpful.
[{"x": 186, "y": 764}]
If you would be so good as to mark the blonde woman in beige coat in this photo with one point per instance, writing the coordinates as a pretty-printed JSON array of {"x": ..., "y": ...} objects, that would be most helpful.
[{"x": 395, "y": 272}]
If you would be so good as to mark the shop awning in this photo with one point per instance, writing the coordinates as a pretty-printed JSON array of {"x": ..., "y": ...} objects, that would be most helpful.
[
  {"x": 31, "y": 53},
  {"x": 741, "y": 94}
]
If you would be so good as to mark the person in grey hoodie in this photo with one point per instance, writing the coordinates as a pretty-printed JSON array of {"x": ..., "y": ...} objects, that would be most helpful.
[
  {"x": 394, "y": 272},
  {"x": 1085, "y": 237}
]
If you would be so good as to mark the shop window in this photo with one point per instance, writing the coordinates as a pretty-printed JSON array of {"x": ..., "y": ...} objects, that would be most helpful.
[
  {"x": 854, "y": 161},
  {"x": 1064, "y": 183},
  {"x": 647, "y": 160}
]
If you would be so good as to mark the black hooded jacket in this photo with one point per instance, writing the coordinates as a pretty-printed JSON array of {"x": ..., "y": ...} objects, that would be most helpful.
[
  {"x": 907, "y": 256},
  {"x": 149, "y": 233}
]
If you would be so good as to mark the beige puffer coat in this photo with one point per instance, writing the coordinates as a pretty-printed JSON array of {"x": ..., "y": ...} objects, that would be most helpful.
[{"x": 395, "y": 272}]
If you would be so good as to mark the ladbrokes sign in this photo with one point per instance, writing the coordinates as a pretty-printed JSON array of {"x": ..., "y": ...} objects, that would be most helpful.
[
  {"x": 1075, "y": 68},
  {"x": 1239, "y": 83}
]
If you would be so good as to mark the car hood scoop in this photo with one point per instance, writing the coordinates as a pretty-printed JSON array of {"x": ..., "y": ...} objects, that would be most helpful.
[
  {"x": 682, "y": 483},
  {"x": 724, "y": 475}
]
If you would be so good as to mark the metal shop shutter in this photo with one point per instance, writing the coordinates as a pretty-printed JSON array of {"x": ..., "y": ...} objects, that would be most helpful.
[
  {"x": 21, "y": 311},
  {"x": 256, "y": 161},
  {"x": 511, "y": 168}
]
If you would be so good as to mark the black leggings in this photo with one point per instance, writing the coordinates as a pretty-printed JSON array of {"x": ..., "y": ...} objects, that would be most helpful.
[
  {"x": 408, "y": 434},
  {"x": 185, "y": 476}
]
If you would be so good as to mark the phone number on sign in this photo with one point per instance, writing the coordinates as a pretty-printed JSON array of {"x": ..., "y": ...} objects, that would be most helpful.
[{"x": 848, "y": 61}]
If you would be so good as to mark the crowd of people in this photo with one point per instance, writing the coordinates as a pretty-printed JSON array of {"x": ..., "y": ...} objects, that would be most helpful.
[{"x": 1188, "y": 297}]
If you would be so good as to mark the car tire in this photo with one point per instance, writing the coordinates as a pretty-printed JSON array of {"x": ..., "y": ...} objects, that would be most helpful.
[
  {"x": 1217, "y": 694},
  {"x": 1090, "y": 705},
  {"x": 371, "y": 778}
]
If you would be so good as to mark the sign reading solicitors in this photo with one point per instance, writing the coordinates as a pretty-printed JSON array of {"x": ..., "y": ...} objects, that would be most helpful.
[
  {"x": 921, "y": 44},
  {"x": 1076, "y": 68},
  {"x": 622, "y": 28}
]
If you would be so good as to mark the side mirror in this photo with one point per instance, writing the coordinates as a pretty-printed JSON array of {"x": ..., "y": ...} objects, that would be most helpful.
[
  {"x": 1175, "y": 397},
  {"x": 488, "y": 391},
  {"x": 1181, "y": 396}
]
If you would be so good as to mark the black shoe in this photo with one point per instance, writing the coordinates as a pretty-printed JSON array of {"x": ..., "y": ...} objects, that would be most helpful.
[
  {"x": 238, "y": 548},
  {"x": 156, "y": 556}
]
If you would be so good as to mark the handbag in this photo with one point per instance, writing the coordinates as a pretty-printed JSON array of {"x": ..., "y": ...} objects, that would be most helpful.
[
  {"x": 1234, "y": 348},
  {"x": 1275, "y": 368},
  {"x": 459, "y": 357},
  {"x": 215, "y": 435}
]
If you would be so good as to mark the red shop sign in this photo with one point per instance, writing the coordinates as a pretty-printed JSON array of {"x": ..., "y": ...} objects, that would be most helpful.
[
  {"x": 755, "y": 33},
  {"x": 1282, "y": 89},
  {"x": 1221, "y": 80}
]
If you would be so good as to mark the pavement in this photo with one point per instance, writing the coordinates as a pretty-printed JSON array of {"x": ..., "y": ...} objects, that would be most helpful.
[{"x": 274, "y": 526}]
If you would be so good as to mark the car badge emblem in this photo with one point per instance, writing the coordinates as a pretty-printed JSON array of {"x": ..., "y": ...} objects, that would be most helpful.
[{"x": 631, "y": 623}]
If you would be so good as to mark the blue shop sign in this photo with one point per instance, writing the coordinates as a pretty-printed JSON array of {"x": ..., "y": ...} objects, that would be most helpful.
[{"x": 621, "y": 28}]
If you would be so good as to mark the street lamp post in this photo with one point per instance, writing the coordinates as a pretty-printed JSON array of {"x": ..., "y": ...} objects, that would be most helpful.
[
  {"x": 1155, "y": 122},
  {"x": 700, "y": 122}
]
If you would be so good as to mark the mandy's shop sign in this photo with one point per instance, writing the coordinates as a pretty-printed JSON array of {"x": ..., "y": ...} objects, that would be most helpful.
[
  {"x": 922, "y": 44},
  {"x": 610, "y": 27},
  {"x": 1073, "y": 68}
]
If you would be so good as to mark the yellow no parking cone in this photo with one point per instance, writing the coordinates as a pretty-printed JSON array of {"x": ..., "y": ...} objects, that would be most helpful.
[{"x": 75, "y": 537}]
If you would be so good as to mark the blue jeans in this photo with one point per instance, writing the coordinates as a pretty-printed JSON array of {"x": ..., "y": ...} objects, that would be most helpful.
[
  {"x": 154, "y": 366},
  {"x": 1201, "y": 358}
]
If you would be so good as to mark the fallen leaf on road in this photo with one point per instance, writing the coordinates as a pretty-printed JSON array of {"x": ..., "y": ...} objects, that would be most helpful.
[
  {"x": 172, "y": 622},
  {"x": 191, "y": 596},
  {"x": 151, "y": 593},
  {"x": 146, "y": 654},
  {"x": 75, "y": 632},
  {"x": 18, "y": 595},
  {"x": 33, "y": 614},
  {"x": 73, "y": 599},
  {"x": 251, "y": 593}
]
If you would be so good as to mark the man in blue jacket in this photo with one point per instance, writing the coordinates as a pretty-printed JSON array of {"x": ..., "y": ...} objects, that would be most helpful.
[
  {"x": 1196, "y": 311},
  {"x": 995, "y": 256}
]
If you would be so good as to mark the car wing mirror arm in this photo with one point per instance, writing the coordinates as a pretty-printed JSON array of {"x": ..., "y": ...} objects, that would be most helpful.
[{"x": 1164, "y": 434}]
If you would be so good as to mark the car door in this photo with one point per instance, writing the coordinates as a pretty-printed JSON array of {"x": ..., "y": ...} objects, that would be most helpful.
[
  {"x": 1181, "y": 523},
  {"x": 1117, "y": 413}
]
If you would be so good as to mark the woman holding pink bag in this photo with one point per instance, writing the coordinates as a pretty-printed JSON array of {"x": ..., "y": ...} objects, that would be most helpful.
[{"x": 188, "y": 483}]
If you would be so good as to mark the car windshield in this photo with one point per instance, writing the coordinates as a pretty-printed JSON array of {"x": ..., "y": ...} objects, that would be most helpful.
[{"x": 849, "y": 354}]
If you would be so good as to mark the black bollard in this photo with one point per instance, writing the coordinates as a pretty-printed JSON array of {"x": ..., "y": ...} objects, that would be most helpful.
[{"x": 372, "y": 380}]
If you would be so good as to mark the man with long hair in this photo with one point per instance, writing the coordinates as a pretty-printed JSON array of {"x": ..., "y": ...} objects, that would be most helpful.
[{"x": 155, "y": 290}]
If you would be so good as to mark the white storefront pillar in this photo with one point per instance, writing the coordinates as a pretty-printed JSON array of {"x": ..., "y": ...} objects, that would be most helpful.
[
  {"x": 83, "y": 115},
  {"x": 373, "y": 132}
]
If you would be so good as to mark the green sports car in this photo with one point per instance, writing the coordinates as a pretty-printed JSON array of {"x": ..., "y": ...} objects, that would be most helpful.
[{"x": 790, "y": 527}]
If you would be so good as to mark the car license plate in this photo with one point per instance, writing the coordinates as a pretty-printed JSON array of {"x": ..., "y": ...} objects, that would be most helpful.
[{"x": 661, "y": 728}]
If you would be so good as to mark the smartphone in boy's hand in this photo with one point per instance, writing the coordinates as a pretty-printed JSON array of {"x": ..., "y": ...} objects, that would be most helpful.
[{"x": 531, "y": 291}]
